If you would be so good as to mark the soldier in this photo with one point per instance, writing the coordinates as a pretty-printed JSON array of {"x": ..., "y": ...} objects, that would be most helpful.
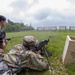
[
  {"x": 4, "y": 69},
  {"x": 21, "y": 56}
]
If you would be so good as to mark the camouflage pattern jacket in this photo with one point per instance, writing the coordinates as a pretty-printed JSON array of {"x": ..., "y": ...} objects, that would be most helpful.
[{"x": 19, "y": 57}]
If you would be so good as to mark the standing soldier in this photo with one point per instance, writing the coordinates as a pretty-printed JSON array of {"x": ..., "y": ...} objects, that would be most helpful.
[{"x": 4, "y": 69}]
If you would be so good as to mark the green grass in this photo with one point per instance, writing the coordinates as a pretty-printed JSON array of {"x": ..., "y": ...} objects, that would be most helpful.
[{"x": 55, "y": 45}]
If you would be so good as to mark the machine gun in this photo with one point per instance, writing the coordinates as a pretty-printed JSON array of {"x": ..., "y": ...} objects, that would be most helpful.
[{"x": 41, "y": 46}]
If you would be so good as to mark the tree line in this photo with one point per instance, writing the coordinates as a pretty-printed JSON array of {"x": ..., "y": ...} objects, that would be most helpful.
[{"x": 14, "y": 27}]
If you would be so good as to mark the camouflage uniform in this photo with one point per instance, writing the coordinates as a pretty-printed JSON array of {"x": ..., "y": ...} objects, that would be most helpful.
[{"x": 20, "y": 57}]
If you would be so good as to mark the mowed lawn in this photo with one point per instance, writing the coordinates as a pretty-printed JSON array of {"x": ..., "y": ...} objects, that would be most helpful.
[{"x": 55, "y": 45}]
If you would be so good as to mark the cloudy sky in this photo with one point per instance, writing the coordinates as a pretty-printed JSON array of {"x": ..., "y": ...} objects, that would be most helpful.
[{"x": 40, "y": 12}]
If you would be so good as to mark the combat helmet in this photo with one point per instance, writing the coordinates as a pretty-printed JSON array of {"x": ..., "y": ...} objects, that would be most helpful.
[{"x": 29, "y": 40}]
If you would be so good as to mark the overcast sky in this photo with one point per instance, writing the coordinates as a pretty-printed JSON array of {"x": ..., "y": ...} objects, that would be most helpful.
[{"x": 39, "y": 12}]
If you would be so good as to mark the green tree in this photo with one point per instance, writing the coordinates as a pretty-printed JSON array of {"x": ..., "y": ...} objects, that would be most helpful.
[{"x": 13, "y": 27}]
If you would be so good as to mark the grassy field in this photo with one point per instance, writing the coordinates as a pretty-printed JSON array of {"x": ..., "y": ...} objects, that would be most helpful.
[{"x": 55, "y": 45}]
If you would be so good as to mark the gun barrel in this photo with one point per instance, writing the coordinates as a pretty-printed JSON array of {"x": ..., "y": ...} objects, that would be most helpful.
[{"x": 8, "y": 39}]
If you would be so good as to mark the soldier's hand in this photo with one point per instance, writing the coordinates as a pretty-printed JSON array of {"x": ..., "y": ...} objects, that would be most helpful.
[
  {"x": 38, "y": 52},
  {"x": 1, "y": 52}
]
